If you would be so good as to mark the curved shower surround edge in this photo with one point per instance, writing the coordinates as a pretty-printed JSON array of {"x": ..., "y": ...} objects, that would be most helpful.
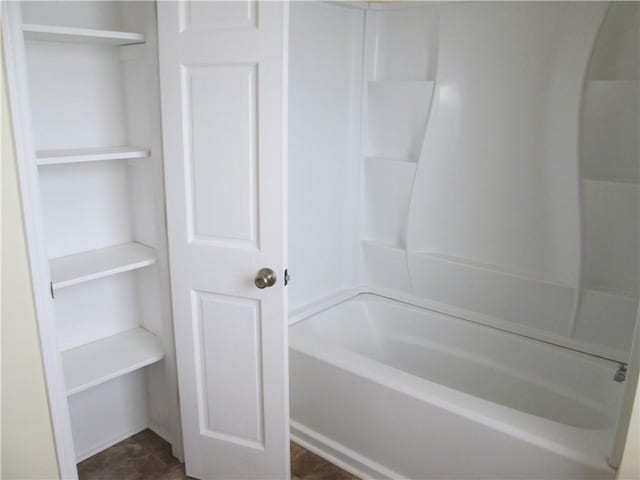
[{"x": 493, "y": 221}]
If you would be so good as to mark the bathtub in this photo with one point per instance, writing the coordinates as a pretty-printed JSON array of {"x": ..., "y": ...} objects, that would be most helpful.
[{"x": 388, "y": 390}]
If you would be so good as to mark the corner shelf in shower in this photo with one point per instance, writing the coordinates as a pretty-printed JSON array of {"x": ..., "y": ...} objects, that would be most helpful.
[
  {"x": 386, "y": 265},
  {"x": 57, "y": 33},
  {"x": 97, "y": 362},
  {"x": 396, "y": 117},
  {"x": 620, "y": 308},
  {"x": 94, "y": 264},
  {"x": 388, "y": 186},
  {"x": 58, "y": 157}
]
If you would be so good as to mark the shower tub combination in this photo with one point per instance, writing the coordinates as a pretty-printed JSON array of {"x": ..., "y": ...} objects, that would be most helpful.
[
  {"x": 389, "y": 390},
  {"x": 488, "y": 179}
]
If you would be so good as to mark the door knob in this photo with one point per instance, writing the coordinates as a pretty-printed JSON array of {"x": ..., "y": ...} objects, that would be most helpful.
[{"x": 265, "y": 278}]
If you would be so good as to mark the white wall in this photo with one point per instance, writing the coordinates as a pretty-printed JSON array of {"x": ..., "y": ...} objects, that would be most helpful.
[
  {"x": 28, "y": 449},
  {"x": 497, "y": 179},
  {"x": 616, "y": 53},
  {"x": 325, "y": 62}
]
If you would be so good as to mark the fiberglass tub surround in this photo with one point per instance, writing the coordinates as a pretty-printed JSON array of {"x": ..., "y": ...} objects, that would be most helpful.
[
  {"x": 479, "y": 160},
  {"x": 487, "y": 163}
]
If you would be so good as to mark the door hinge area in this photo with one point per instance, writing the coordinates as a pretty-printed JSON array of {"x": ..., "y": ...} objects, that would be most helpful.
[
  {"x": 287, "y": 277},
  {"x": 51, "y": 290}
]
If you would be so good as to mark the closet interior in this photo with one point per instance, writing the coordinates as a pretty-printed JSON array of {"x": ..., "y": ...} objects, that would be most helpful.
[{"x": 92, "y": 80}]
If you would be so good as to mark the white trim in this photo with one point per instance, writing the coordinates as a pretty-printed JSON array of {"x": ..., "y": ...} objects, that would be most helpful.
[
  {"x": 341, "y": 456},
  {"x": 110, "y": 443},
  {"x": 149, "y": 52},
  {"x": 15, "y": 62},
  {"x": 329, "y": 301}
]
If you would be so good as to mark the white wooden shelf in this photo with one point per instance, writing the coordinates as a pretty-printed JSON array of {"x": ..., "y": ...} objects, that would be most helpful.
[
  {"x": 98, "y": 362},
  {"x": 55, "y": 33},
  {"x": 57, "y": 157},
  {"x": 82, "y": 267}
]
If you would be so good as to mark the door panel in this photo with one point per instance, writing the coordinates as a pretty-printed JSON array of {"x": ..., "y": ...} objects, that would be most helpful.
[
  {"x": 223, "y": 81},
  {"x": 230, "y": 333},
  {"x": 221, "y": 110},
  {"x": 211, "y": 15}
]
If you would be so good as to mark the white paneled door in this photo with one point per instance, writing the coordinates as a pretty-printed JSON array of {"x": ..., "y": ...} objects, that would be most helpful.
[{"x": 223, "y": 84}]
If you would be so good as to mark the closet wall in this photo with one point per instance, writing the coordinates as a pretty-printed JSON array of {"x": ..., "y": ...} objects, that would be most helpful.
[{"x": 92, "y": 79}]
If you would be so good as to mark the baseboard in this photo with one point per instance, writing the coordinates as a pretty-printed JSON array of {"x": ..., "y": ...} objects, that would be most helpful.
[
  {"x": 341, "y": 456},
  {"x": 109, "y": 443}
]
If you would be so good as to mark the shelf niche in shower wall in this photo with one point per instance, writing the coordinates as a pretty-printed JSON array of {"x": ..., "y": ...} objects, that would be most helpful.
[
  {"x": 396, "y": 118},
  {"x": 610, "y": 192},
  {"x": 610, "y": 124},
  {"x": 386, "y": 266},
  {"x": 612, "y": 337},
  {"x": 387, "y": 195},
  {"x": 406, "y": 42},
  {"x": 611, "y": 239}
]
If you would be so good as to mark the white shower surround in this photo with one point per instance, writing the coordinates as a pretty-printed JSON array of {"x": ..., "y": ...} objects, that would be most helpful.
[
  {"x": 472, "y": 204},
  {"x": 474, "y": 199}
]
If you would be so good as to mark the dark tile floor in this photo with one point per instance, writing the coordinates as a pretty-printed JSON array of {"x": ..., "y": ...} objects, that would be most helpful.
[
  {"x": 309, "y": 466},
  {"x": 146, "y": 456}
]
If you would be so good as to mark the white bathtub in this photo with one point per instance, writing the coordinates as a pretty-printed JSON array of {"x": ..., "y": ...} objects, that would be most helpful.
[{"x": 388, "y": 390}]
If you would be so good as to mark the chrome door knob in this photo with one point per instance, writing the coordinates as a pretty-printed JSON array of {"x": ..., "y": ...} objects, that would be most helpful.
[{"x": 265, "y": 278}]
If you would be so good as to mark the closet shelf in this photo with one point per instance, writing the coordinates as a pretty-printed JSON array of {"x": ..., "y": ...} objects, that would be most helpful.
[
  {"x": 103, "y": 360},
  {"x": 82, "y": 267},
  {"x": 56, "y": 33},
  {"x": 57, "y": 157}
]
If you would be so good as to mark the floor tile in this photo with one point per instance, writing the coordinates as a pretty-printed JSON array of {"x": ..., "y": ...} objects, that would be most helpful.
[{"x": 146, "y": 456}]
